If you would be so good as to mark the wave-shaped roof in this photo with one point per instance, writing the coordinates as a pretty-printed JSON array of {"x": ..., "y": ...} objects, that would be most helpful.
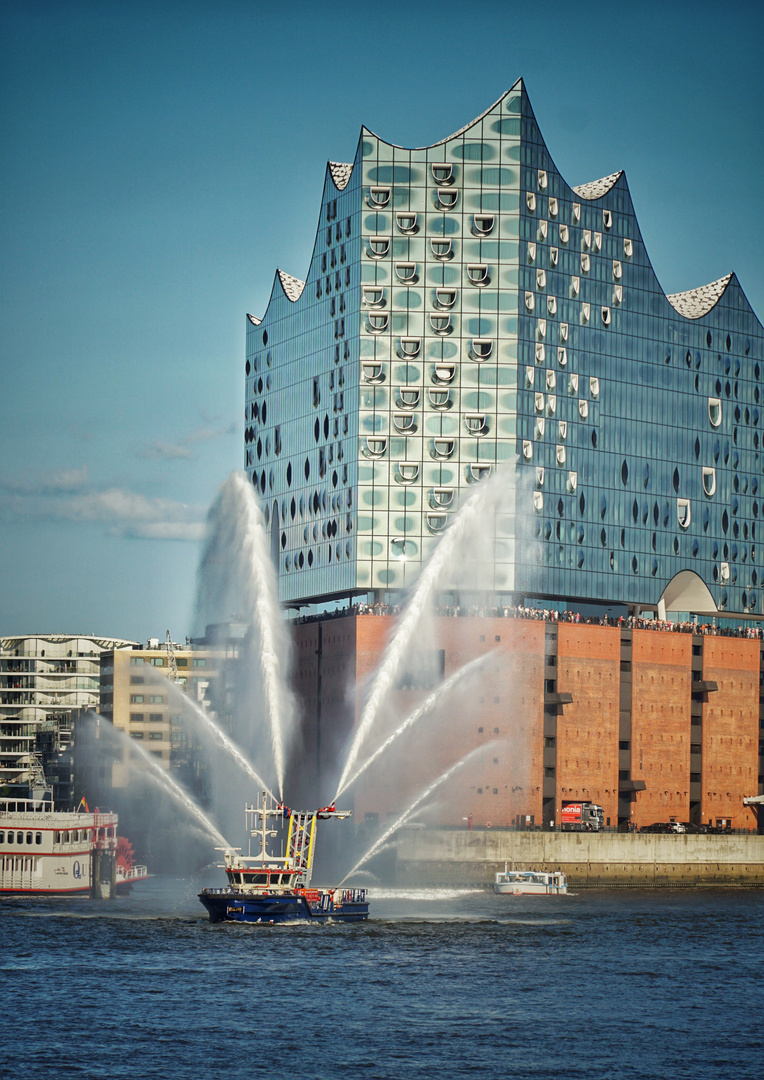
[
  {"x": 595, "y": 189},
  {"x": 254, "y": 319},
  {"x": 340, "y": 173},
  {"x": 292, "y": 286},
  {"x": 695, "y": 303}
]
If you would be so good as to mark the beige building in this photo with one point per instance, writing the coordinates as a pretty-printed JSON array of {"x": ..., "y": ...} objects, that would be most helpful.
[{"x": 138, "y": 695}]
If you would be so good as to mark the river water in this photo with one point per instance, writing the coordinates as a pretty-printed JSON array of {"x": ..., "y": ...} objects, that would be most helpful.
[{"x": 439, "y": 983}]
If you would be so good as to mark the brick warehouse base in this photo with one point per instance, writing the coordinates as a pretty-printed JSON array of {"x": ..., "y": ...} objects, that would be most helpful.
[{"x": 450, "y": 857}]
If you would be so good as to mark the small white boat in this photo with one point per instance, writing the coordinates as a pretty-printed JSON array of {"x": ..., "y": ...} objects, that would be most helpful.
[{"x": 528, "y": 882}]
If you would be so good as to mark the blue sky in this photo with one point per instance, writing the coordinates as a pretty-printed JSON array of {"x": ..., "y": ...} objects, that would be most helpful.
[{"x": 159, "y": 161}]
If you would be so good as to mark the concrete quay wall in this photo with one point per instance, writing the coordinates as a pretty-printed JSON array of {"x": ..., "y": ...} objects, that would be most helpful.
[{"x": 451, "y": 857}]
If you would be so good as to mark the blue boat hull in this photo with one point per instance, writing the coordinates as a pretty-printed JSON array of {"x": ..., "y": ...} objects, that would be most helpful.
[{"x": 229, "y": 905}]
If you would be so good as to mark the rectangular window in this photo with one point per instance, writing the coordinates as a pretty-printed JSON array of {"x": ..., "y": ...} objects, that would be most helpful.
[
  {"x": 181, "y": 661},
  {"x": 136, "y": 734},
  {"x": 156, "y": 699},
  {"x": 137, "y": 680},
  {"x": 200, "y": 663},
  {"x": 155, "y": 718},
  {"x": 135, "y": 660},
  {"x": 136, "y": 717},
  {"x": 136, "y": 699},
  {"x": 155, "y": 736},
  {"x": 157, "y": 661}
]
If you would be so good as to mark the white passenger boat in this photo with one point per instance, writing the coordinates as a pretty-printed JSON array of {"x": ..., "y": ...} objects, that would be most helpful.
[
  {"x": 47, "y": 851},
  {"x": 530, "y": 882}
]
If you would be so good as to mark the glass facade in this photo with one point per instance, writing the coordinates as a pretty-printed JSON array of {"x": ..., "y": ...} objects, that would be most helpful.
[{"x": 466, "y": 309}]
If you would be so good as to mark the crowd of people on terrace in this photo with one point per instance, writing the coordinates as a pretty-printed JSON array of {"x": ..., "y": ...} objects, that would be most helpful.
[{"x": 626, "y": 622}]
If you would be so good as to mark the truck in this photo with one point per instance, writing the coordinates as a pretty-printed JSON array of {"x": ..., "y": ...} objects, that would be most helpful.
[{"x": 580, "y": 816}]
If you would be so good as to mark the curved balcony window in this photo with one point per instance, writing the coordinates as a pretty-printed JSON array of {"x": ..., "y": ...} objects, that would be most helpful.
[
  {"x": 373, "y": 295},
  {"x": 445, "y": 297},
  {"x": 709, "y": 480},
  {"x": 440, "y": 323},
  {"x": 531, "y": 251},
  {"x": 724, "y": 569},
  {"x": 373, "y": 371},
  {"x": 409, "y": 347},
  {"x": 378, "y": 197},
  {"x": 539, "y": 476},
  {"x": 572, "y": 482},
  {"x": 586, "y": 239},
  {"x": 407, "y": 472},
  {"x": 442, "y": 172},
  {"x": 715, "y": 411},
  {"x": 446, "y": 198},
  {"x": 540, "y": 279},
  {"x": 551, "y": 405},
  {"x": 585, "y": 263},
  {"x": 406, "y": 220},
  {"x": 540, "y": 352},
  {"x": 443, "y": 448},
  {"x": 554, "y": 256},
  {"x": 408, "y": 397},
  {"x": 542, "y": 179},
  {"x": 478, "y": 472},
  {"x": 594, "y": 387},
  {"x": 617, "y": 295},
  {"x": 438, "y": 398},
  {"x": 562, "y": 427},
  {"x": 530, "y": 201},
  {"x": 551, "y": 379},
  {"x": 583, "y": 409},
  {"x": 541, "y": 329},
  {"x": 551, "y": 305},
  {"x": 538, "y": 402},
  {"x": 564, "y": 234},
  {"x": 598, "y": 241},
  {"x": 477, "y": 273},
  {"x": 539, "y": 427},
  {"x": 530, "y": 301},
  {"x": 543, "y": 229},
  {"x": 441, "y": 249},
  {"x": 378, "y": 321},
  {"x": 476, "y": 423},
  {"x": 375, "y": 447},
  {"x": 538, "y": 501},
  {"x": 441, "y": 497},
  {"x": 563, "y": 331},
  {"x": 436, "y": 522},
  {"x": 607, "y": 218},
  {"x": 481, "y": 348},
  {"x": 683, "y": 514},
  {"x": 628, "y": 247},
  {"x": 560, "y": 455},
  {"x": 400, "y": 547},
  {"x": 530, "y": 376},
  {"x": 482, "y": 224},
  {"x": 573, "y": 383},
  {"x": 585, "y": 312},
  {"x": 527, "y": 449},
  {"x": 576, "y": 211},
  {"x": 606, "y": 317},
  {"x": 404, "y": 422},
  {"x": 444, "y": 372},
  {"x": 554, "y": 207},
  {"x": 379, "y": 246},
  {"x": 575, "y": 286},
  {"x": 617, "y": 270},
  {"x": 406, "y": 272}
]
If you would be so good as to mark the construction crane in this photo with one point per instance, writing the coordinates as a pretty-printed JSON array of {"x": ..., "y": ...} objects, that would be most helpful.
[{"x": 172, "y": 666}]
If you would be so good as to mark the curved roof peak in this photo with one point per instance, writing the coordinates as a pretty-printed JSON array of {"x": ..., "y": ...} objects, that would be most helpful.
[
  {"x": 695, "y": 303},
  {"x": 340, "y": 173},
  {"x": 254, "y": 319},
  {"x": 292, "y": 286},
  {"x": 595, "y": 189}
]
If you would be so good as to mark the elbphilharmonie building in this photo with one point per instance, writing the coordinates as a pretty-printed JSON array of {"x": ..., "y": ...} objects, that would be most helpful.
[{"x": 466, "y": 311}]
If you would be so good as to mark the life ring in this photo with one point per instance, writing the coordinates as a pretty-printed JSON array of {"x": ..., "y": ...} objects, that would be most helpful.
[{"x": 488, "y": 825}]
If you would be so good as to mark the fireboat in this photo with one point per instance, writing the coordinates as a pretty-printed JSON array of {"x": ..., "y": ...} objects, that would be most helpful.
[{"x": 267, "y": 888}]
